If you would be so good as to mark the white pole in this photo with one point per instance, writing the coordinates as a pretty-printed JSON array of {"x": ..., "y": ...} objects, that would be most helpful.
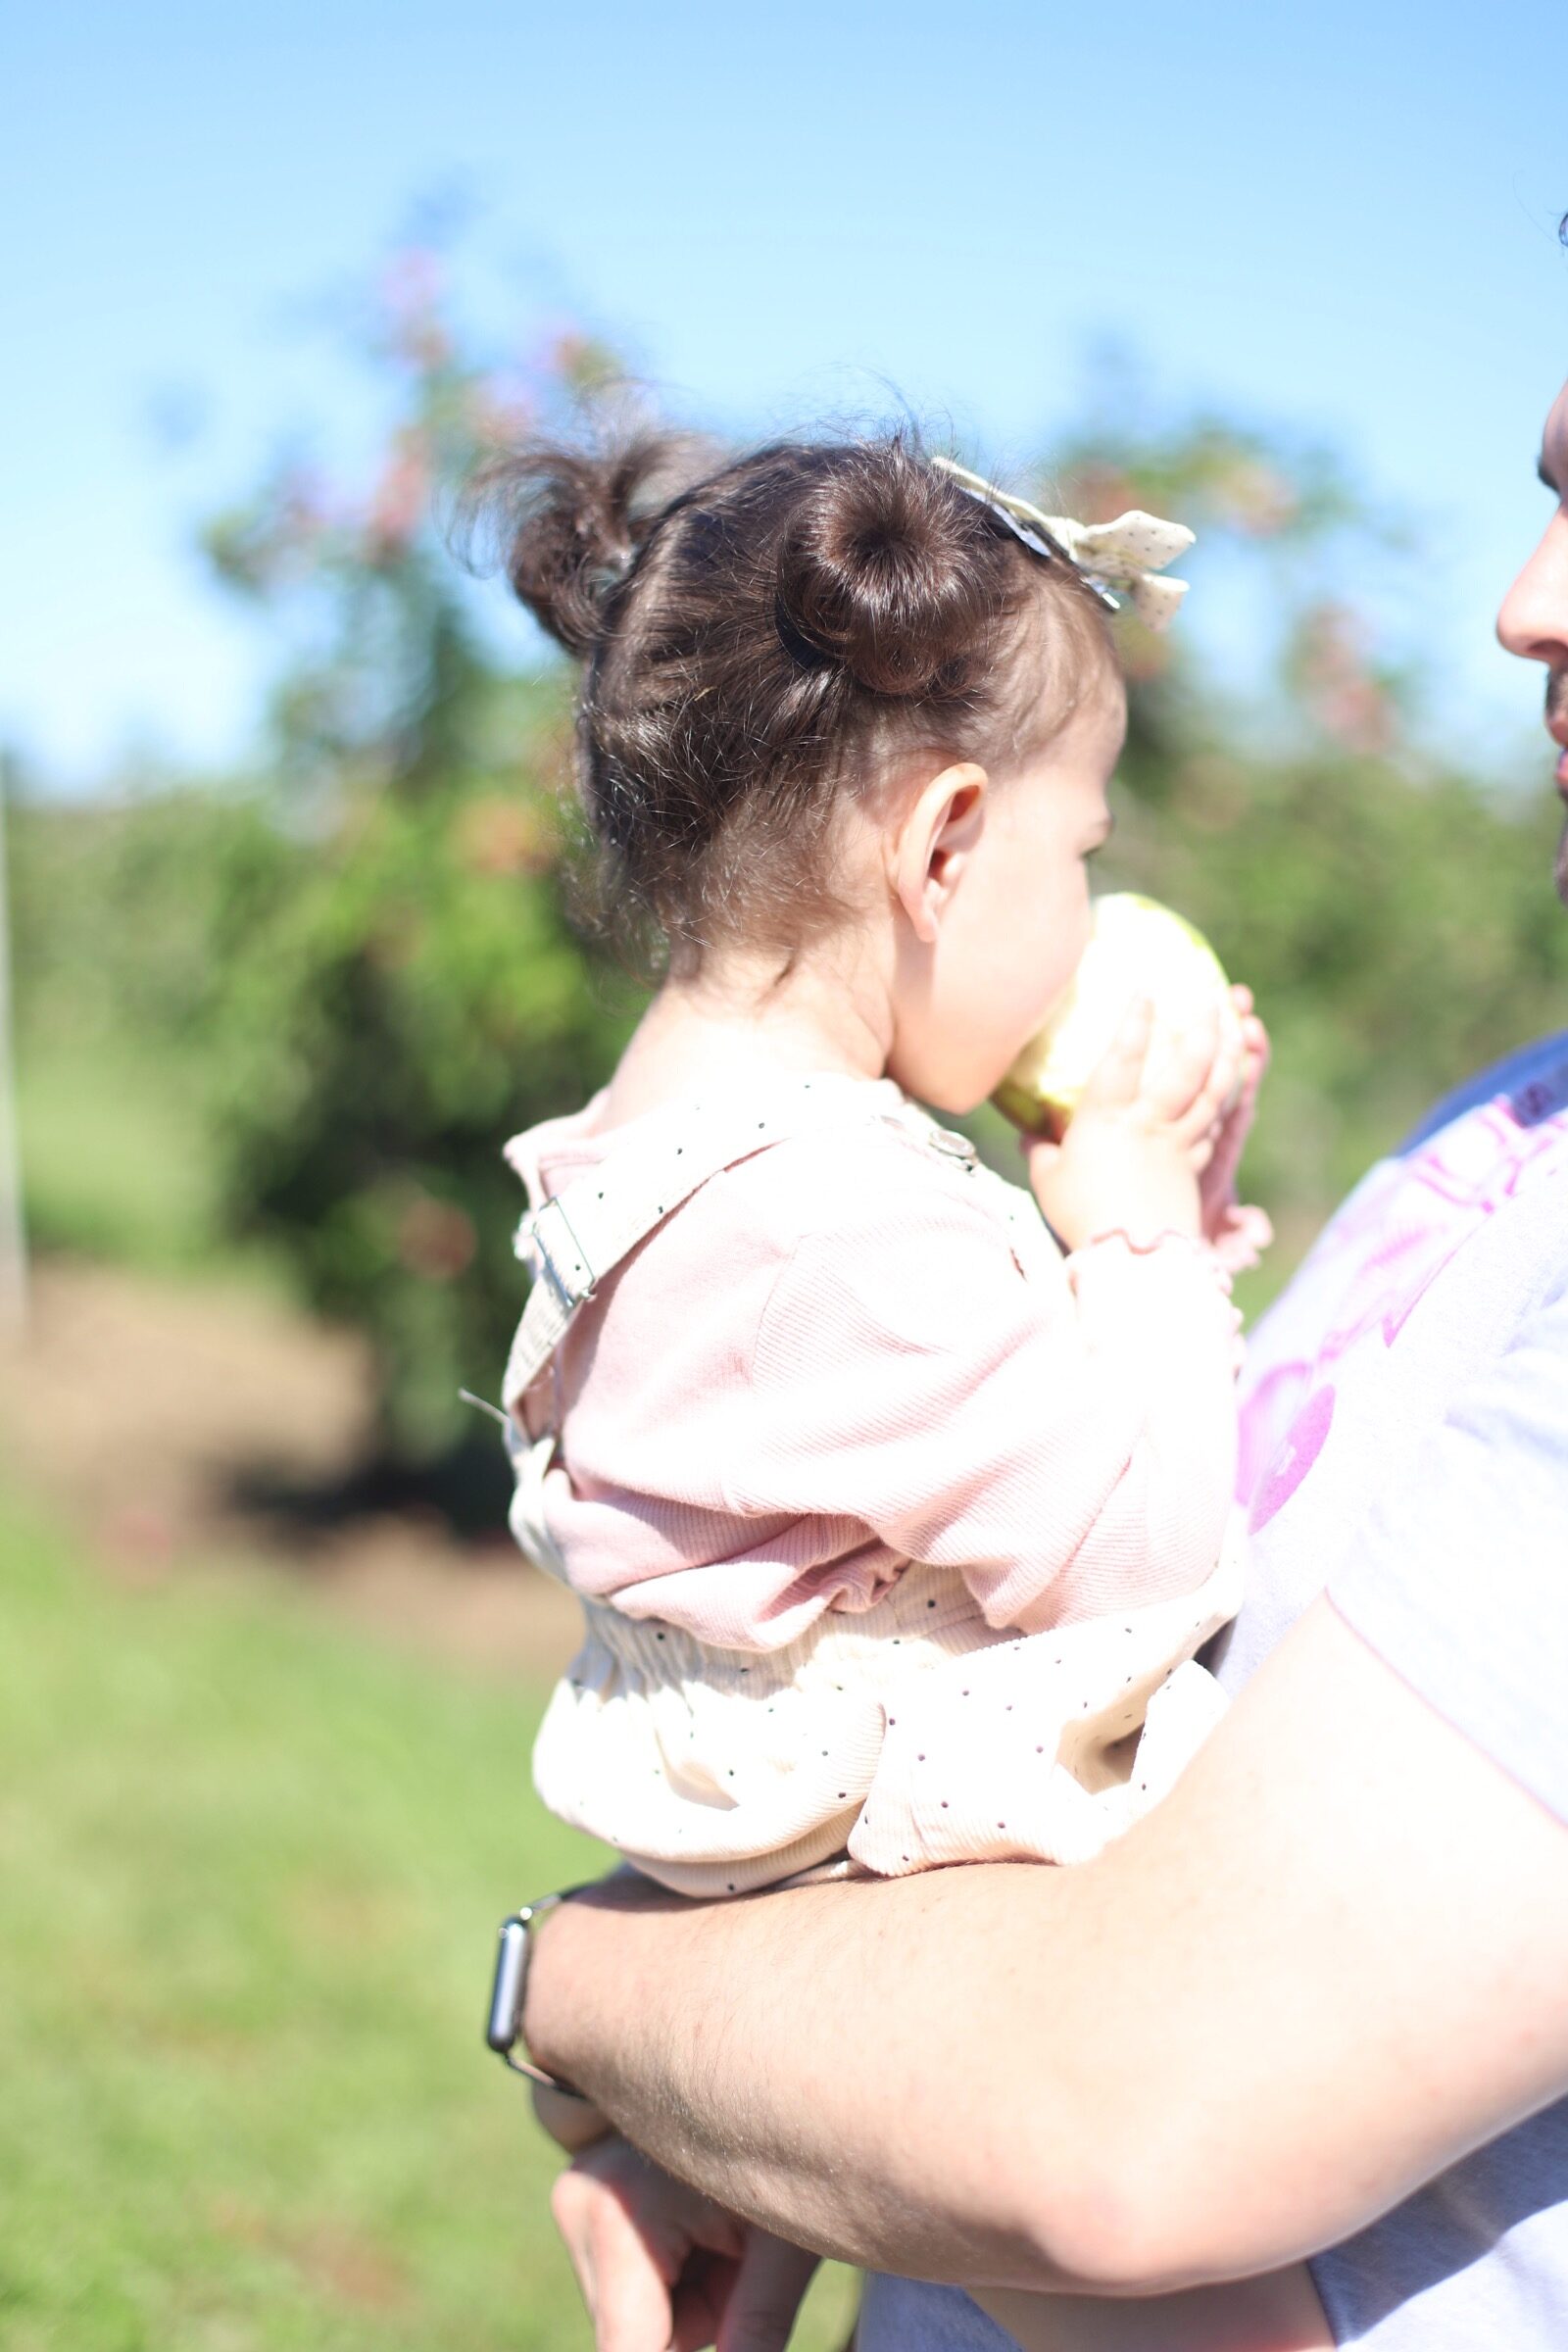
[{"x": 13, "y": 1235}]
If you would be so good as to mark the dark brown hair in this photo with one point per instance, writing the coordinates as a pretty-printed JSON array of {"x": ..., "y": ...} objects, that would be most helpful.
[{"x": 763, "y": 636}]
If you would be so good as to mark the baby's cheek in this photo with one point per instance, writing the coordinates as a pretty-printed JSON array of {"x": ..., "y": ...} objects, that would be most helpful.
[{"x": 1011, "y": 976}]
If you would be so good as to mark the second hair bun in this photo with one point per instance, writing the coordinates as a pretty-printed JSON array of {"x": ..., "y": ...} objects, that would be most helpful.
[{"x": 891, "y": 573}]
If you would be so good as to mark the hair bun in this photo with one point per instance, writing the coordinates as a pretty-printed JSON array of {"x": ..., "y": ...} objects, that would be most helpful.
[
  {"x": 565, "y": 523},
  {"x": 890, "y": 571}
]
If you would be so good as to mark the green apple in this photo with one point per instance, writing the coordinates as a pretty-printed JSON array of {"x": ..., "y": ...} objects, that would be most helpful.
[{"x": 1137, "y": 949}]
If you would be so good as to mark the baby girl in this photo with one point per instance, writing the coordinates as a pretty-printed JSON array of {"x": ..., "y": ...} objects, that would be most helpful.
[{"x": 897, "y": 1496}]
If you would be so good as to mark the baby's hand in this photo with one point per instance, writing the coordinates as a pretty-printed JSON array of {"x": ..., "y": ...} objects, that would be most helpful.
[
  {"x": 663, "y": 2269},
  {"x": 1142, "y": 1134},
  {"x": 1239, "y": 1234}
]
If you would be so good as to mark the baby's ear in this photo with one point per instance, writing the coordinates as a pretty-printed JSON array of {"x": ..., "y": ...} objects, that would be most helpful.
[{"x": 939, "y": 829}]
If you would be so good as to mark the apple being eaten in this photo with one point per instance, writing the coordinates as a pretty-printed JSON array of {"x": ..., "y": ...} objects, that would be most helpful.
[{"x": 1136, "y": 949}]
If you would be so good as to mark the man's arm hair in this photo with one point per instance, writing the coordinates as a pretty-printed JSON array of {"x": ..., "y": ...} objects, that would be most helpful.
[{"x": 1330, "y": 1964}]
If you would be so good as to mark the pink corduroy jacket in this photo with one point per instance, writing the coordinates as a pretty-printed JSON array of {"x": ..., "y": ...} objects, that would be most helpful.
[{"x": 852, "y": 1358}]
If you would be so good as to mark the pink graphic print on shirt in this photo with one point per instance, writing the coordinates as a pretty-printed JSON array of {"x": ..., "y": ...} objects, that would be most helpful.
[{"x": 1374, "y": 1265}]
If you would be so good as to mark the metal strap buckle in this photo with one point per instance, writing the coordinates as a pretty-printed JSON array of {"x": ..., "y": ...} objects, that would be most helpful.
[{"x": 558, "y": 1254}]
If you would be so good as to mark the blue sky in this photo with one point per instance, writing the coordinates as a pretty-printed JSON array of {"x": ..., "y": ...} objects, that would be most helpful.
[{"x": 1340, "y": 219}]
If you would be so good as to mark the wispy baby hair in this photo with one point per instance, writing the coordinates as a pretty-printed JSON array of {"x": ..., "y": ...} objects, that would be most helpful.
[{"x": 763, "y": 637}]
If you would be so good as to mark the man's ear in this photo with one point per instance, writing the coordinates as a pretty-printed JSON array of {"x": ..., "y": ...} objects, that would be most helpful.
[{"x": 939, "y": 834}]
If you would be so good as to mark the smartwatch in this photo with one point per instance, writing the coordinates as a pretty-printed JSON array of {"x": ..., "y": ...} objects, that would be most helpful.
[{"x": 508, "y": 1988}]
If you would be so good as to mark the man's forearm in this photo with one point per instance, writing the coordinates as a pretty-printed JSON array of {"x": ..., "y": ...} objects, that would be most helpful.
[
  {"x": 757, "y": 2059},
  {"x": 1188, "y": 2060}
]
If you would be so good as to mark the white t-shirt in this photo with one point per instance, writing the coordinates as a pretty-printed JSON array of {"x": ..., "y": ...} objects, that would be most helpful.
[{"x": 1406, "y": 1444}]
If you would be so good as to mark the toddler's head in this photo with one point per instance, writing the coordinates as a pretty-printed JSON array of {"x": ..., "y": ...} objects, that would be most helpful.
[{"x": 832, "y": 706}]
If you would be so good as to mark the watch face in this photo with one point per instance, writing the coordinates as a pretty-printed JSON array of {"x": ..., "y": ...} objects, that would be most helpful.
[
  {"x": 507, "y": 1985},
  {"x": 508, "y": 1989}
]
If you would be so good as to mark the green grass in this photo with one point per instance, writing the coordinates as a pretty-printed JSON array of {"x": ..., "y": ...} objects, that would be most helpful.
[
  {"x": 117, "y": 1160},
  {"x": 252, "y": 1867}
]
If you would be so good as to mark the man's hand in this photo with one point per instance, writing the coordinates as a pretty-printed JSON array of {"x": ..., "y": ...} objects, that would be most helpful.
[
  {"x": 663, "y": 2269},
  {"x": 572, "y": 2124}
]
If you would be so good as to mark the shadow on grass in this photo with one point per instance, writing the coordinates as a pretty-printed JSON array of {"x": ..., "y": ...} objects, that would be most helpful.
[{"x": 466, "y": 1489}]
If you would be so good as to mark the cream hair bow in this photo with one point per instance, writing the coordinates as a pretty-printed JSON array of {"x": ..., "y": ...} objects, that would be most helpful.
[{"x": 1125, "y": 554}]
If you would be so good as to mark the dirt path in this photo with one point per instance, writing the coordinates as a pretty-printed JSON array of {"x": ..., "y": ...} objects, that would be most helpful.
[{"x": 142, "y": 1408}]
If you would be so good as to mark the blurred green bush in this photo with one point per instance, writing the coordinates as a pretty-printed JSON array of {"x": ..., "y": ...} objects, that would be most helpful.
[{"x": 395, "y": 999}]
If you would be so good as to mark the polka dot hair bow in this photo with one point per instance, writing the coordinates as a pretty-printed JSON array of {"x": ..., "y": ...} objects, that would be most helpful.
[{"x": 1125, "y": 554}]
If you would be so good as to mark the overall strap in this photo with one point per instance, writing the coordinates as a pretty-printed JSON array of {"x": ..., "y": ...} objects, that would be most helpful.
[{"x": 573, "y": 1240}]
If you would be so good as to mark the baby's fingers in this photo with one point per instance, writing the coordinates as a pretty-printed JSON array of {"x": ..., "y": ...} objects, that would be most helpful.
[
  {"x": 1257, "y": 1050},
  {"x": 1178, "y": 1070},
  {"x": 1118, "y": 1075},
  {"x": 1199, "y": 1125}
]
